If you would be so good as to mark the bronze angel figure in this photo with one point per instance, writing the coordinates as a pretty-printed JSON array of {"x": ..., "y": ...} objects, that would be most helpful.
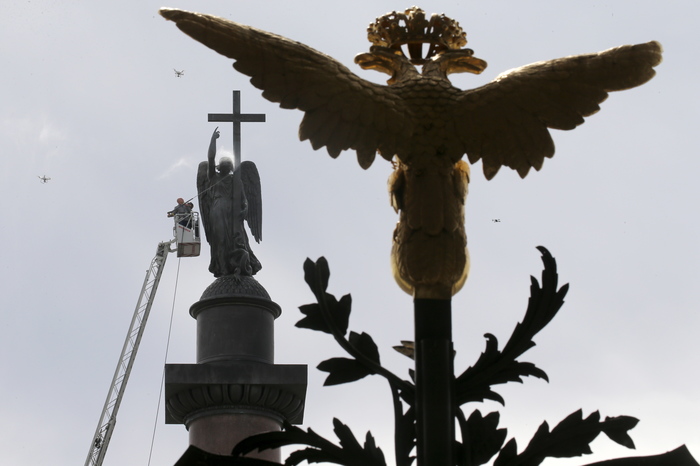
[
  {"x": 421, "y": 121},
  {"x": 223, "y": 219}
]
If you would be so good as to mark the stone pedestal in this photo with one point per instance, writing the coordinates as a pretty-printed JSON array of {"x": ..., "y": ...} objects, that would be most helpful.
[{"x": 235, "y": 390}]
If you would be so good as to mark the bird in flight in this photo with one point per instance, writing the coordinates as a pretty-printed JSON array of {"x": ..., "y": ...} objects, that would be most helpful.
[
  {"x": 44, "y": 179},
  {"x": 423, "y": 123},
  {"x": 178, "y": 73}
]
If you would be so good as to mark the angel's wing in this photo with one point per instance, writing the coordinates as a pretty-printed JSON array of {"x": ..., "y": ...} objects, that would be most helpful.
[
  {"x": 250, "y": 179},
  {"x": 204, "y": 195},
  {"x": 342, "y": 111},
  {"x": 506, "y": 122}
]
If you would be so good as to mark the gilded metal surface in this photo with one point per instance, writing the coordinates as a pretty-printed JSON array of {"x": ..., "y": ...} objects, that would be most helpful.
[{"x": 423, "y": 123}]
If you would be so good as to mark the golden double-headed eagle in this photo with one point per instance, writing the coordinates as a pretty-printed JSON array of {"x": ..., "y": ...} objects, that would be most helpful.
[{"x": 423, "y": 123}]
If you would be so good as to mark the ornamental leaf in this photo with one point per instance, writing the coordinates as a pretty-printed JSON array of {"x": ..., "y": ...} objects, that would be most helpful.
[
  {"x": 343, "y": 370},
  {"x": 364, "y": 343},
  {"x": 497, "y": 367},
  {"x": 194, "y": 456},
  {"x": 678, "y": 457},
  {"x": 356, "y": 454},
  {"x": 310, "y": 455},
  {"x": 616, "y": 429},
  {"x": 291, "y": 435},
  {"x": 314, "y": 319},
  {"x": 405, "y": 436},
  {"x": 349, "y": 453},
  {"x": 508, "y": 454},
  {"x": 492, "y": 368},
  {"x": 316, "y": 274},
  {"x": 483, "y": 436},
  {"x": 372, "y": 449},
  {"x": 338, "y": 313},
  {"x": 347, "y": 440},
  {"x": 571, "y": 437}
]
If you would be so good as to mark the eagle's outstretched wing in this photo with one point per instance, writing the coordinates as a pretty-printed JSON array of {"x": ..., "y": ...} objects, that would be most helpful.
[
  {"x": 506, "y": 121},
  {"x": 342, "y": 111},
  {"x": 250, "y": 179}
]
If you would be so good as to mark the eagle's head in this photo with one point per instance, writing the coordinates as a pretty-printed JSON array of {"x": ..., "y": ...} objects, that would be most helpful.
[
  {"x": 454, "y": 61},
  {"x": 388, "y": 61},
  {"x": 400, "y": 67}
]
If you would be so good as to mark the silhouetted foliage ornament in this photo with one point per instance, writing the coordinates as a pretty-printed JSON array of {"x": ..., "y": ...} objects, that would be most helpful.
[
  {"x": 497, "y": 367},
  {"x": 194, "y": 456},
  {"x": 316, "y": 275},
  {"x": 344, "y": 370},
  {"x": 485, "y": 439},
  {"x": 349, "y": 453},
  {"x": 481, "y": 438},
  {"x": 571, "y": 437},
  {"x": 678, "y": 457}
]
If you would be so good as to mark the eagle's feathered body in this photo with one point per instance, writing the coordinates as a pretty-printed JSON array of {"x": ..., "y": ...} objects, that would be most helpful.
[
  {"x": 426, "y": 124},
  {"x": 428, "y": 189},
  {"x": 429, "y": 255}
]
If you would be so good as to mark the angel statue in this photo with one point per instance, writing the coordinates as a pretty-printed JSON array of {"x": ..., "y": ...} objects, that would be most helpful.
[
  {"x": 223, "y": 219},
  {"x": 423, "y": 123}
]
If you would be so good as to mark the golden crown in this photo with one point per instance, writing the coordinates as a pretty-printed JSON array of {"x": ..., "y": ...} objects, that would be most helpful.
[{"x": 412, "y": 29}]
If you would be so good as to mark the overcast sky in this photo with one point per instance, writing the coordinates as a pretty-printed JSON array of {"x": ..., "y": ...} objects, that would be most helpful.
[{"x": 89, "y": 98}]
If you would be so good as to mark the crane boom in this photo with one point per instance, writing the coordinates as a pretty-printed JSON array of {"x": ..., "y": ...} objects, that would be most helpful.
[{"x": 105, "y": 426}]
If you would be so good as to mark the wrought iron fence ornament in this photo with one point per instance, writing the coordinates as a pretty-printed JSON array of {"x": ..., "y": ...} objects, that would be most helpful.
[{"x": 481, "y": 438}]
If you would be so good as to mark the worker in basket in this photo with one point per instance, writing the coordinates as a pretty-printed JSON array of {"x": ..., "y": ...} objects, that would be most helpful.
[{"x": 182, "y": 213}]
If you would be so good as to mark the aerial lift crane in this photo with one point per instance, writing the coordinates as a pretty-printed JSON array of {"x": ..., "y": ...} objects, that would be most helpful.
[{"x": 187, "y": 244}]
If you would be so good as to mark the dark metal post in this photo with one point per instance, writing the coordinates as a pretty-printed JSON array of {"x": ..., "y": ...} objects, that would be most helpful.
[{"x": 434, "y": 382}]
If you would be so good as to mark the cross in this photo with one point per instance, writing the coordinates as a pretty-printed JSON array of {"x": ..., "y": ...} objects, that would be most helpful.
[{"x": 236, "y": 118}]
